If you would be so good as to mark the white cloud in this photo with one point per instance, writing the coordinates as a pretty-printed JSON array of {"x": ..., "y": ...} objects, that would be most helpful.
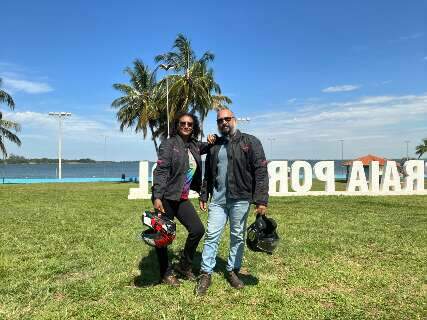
[
  {"x": 408, "y": 37},
  {"x": 83, "y": 137},
  {"x": 412, "y": 36},
  {"x": 377, "y": 124},
  {"x": 292, "y": 100},
  {"x": 27, "y": 86},
  {"x": 341, "y": 88}
]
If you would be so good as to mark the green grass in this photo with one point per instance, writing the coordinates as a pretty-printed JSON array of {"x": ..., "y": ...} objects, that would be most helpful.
[{"x": 71, "y": 251}]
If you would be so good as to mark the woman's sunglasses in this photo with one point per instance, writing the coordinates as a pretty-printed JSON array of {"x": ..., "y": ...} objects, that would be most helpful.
[{"x": 183, "y": 123}]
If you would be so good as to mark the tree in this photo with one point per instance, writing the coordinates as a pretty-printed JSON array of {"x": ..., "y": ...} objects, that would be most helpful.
[
  {"x": 421, "y": 149},
  {"x": 6, "y": 98},
  {"x": 7, "y": 127},
  {"x": 138, "y": 106},
  {"x": 193, "y": 87}
]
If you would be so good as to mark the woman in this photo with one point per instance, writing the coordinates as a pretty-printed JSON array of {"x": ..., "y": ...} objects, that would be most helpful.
[{"x": 179, "y": 170}]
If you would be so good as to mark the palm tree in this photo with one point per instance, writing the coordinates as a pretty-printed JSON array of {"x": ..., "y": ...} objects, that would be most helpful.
[
  {"x": 421, "y": 149},
  {"x": 6, "y": 134},
  {"x": 5, "y": 125},
  {"x": 138, "y": 105},
  {"x": 193, "y": 88},
  {"x": 7, "y": 98}
]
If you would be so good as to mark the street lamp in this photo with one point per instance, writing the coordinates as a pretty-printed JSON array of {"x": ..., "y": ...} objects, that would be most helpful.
[
  {"x": 59, "y": 116},
  {"x": 342, "y": 155},
  {"x": 271, "y": 146},
  {"x": 247, "y": 119},
  {"x": 407, "y": 149},
  {"x": 243, "y": 120},
  {"x": 105, "y": 154},
  {"x": 166, "y": 67}
]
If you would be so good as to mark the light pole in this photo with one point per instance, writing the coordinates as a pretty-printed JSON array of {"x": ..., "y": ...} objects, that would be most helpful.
[
  {"x": 342, "y": 155},
  {"x": 59, "y": 116},
  {"x": 247, "y": 119},
  {"x": 105, "y": 154},
  {"x": 4, "y": 158},
  {"x": 243, "y": 120},
  {"x": 271, "y": 146},
  {"x": 166, "y": 67},
  {"x": 407, "y": 149}
]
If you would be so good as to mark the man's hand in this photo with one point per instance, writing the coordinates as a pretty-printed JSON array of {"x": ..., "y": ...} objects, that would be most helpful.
[
  {"x": 158, "y": 205},
  {"x": 203, "y": 205},
  {"x": 260, "y": 209},
  {"x": 211, "y": 138}
]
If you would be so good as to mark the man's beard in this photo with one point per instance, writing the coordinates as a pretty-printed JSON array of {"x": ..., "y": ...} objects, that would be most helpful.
[{"x": 229, "y": 133}]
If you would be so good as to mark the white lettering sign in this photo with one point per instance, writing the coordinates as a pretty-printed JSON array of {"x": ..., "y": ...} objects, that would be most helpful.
[{"x": 390, "y": 182}]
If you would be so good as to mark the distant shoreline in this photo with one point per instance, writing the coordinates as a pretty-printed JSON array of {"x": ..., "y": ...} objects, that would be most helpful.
[{"x": 63, "y": 162}]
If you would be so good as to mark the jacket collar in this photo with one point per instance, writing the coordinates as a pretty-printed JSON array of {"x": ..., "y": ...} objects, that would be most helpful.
[
  {"x": 182, "y": 143},
  {"x": 236, "y": 136}
]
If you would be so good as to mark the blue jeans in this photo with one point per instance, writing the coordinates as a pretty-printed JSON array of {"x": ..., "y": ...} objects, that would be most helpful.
[{"x": 237, "y": 212}]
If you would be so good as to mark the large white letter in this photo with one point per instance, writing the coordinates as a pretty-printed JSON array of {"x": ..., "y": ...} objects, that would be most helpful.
[
  {"x": 391, "y": 178},
  {"x": 278, "y": 173},
  {"x": 324, "y": 171},
  {"x": 143, "y": 176},
  {"x": 307, "y": 179},
  {"x": 357, "y": 178},
  {"x": 374, "y": 176},
  {"x": 414, "y": 180},
  {"x": 142, "y": 191}
]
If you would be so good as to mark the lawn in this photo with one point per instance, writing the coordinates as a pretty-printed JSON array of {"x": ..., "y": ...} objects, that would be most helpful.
[{"x": 71, "y": 251}]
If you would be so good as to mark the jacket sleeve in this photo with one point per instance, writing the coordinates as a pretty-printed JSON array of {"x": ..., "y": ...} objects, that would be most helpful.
[
  {"x": 204, "y": 147},
  {"x": 204, "y": 191},
  {"x": 161, "y": 172},
  {"x": 259, "y": 167}
]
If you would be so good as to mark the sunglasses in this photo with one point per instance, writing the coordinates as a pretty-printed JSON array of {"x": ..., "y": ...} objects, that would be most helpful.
[
  {"x": 226, "y": 119},
  {"x": 183, "y": 123}
]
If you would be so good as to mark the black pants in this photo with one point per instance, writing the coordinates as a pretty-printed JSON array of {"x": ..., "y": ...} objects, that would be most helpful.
[{"x": 186, "y": 214}]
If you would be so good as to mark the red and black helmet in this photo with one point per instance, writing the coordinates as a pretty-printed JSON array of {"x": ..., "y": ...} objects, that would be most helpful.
[{"x": 161, "y": 231}]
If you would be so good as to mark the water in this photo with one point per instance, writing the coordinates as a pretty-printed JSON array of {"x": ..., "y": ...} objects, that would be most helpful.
[
  {"x": 79, "y": 170},
  {"x": 110, "y": 170}
]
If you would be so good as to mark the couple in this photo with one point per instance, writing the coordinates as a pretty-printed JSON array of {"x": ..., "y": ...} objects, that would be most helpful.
[{"x": 235, "y": 176}]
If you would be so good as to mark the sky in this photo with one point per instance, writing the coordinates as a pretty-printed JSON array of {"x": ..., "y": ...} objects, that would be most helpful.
[{"x": 307, "y": 73}]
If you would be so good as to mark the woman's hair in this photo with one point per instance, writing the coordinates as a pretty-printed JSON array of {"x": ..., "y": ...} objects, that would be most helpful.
[{"x": 196, "y": 125}]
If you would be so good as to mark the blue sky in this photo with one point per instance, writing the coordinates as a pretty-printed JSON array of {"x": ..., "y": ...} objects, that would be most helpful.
[{"x": 307, "y": 73}]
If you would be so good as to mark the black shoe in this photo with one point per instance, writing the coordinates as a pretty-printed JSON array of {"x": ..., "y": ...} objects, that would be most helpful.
[
  {"x": 170, "y": 279},
  {"x": 184, "y": 269},
  {"x": 234, "y": 280},
  {"x": 203, "y": 284}
]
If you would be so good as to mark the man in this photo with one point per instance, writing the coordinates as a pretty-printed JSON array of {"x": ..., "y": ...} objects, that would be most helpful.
[{"x": 235, "y": 176}]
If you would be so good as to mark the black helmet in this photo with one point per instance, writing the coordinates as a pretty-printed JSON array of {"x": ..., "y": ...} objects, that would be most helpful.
[
  {"x": 262, "y": 235},
  {"x": 161, "y": 230}
]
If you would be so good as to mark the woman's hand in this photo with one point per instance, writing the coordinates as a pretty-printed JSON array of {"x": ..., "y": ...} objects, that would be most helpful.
[
  {"x": 158, "y": 205},
  {"x": 203, "y": 206},
  {"x": 212, "y": 138}
]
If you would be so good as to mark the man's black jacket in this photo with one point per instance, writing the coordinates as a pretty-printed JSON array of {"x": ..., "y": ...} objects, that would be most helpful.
[
  {"x": 247, "y": 174},
  {"x": 172, "y": 165}
]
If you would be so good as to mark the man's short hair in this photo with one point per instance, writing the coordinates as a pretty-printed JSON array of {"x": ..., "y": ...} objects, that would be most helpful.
[{"x": 224, "y": 108}]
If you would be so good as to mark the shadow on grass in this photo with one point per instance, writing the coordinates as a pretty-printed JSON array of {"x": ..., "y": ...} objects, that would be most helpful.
[
  {"x": 220, "y": 268},
  {"x": 149, "y": 269}
]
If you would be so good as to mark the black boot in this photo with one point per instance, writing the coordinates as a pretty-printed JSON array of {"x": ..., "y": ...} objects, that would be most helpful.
[
  {"x": 203, "y": 284},
  {"x": 234, "y": 280},
  {"x": 183, "y": 268},
  {"x": 170, "y": 278}
]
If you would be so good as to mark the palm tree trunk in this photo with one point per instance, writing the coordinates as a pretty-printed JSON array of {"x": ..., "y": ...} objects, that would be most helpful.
[
  {"x": 202, "y": 134},
  {"x": 154, "y": 139}
]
